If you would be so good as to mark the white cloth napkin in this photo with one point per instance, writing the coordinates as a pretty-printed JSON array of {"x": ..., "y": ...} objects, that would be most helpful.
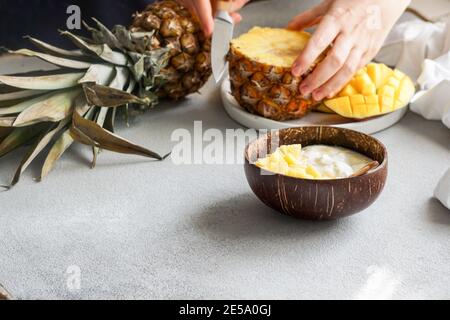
[
  {"x": 422, "y": 50},
  {"x": 442, "y": 191}
]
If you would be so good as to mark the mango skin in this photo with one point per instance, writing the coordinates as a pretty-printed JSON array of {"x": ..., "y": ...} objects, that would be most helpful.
[{"x": 375, "y": 90}]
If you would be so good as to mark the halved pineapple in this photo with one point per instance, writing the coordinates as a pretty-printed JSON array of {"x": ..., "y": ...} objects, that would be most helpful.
[
  {"x": 261, "y": 80},
  {"x": 375, "y": 90},
  {"x": 260, "y": 73}
]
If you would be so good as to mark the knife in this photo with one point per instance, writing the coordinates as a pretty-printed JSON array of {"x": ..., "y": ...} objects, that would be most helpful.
[{"x": 222, "y": 36}]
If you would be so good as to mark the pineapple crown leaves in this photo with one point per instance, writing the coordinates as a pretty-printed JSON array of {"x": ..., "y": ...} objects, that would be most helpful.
[
  {"x": 79, "y": 101},
  {"x": 3, "y": 50},
  {"x": 145, "y": 64}
]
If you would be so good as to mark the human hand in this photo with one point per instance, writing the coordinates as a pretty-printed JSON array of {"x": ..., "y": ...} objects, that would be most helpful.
[
  {"x": 353, "y": 29},
  {"x": 206, "y": 9}
]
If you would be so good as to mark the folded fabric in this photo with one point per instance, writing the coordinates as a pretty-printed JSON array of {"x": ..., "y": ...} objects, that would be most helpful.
[
  {"x": 442, "y": 192},
  {"x": 422, "y": 50}
]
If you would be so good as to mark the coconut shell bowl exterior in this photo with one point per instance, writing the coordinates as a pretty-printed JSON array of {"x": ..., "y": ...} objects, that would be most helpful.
[{"x": 317, "y": 199}]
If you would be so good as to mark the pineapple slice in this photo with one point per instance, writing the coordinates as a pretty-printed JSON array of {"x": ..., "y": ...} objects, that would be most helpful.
[
  {"x": 375, "y": 90},
  {"x": 270, "y": 46},
  {"x": 310, "y": 170}
]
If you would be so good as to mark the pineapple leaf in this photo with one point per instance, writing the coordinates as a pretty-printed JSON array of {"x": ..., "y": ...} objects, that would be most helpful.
[
  {"x": 98, "y": 95},
  {"x": 101, "y": 116},
  {"x": 81, "y": 137},
  {"x": 154, "y": 63},
  {"x": 151, "y": 96},
  {"x": 103, "y": 35},
  {"x": 121, "y": 78},
  {"x": 53, "y": 109},
  {"x": 7, "y": 121},
  {"x": 100, "y": 74},
  {"x": 62, "y": 62},
  {"x": 130, "y": 89},
  {"x": 81, "y": 106},
  {"x": 21, "y": 106},
  {"x": 138, "y": 68},
  {"x": 132, "y": 41},
  {"x": 19, "y": 137},
  {"x": 4, "y": 294},
  {"x": 4, "y": 132},
  {"x": 11, "y": 103},
  {"x": 48, "y": 48},
  {"x": 56, "y": 152},
  {"x": 131, "y": 85},
  {"x": 122, "y": 75},
  {"x": 65, "y": 140},
  {"x": 90, "y": 133},
  {"x": 102, "y": 51},
  {"x": 36, "y": 149},
  {"x": 118, "y": 83},
  {"x": 22, "y": 94},
  {"x": 50, "y": 82},
  {"x": 110, "y": 119}
]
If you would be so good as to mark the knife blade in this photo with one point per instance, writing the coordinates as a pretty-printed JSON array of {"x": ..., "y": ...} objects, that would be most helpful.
[{"x": 222, "y": 36}]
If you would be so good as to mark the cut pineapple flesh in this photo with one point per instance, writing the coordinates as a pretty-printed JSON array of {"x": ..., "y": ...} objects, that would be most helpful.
[
  {"x": 273, "y": 47},
  {"x": 319, "y": 162},
  {"x": 375, "y": 90}
]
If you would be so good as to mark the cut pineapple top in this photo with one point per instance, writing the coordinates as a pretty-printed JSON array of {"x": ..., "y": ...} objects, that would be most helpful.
[
  {"x": 375, "y": 90},
  {"x": 271, "y": 46}
]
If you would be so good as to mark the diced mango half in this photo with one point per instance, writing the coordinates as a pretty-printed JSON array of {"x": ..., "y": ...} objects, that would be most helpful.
[
  {"x": 340, "y": 105},
  {"x": 348, "y": 91},
  {"x": 322, "y": 108},
  {"x": 379, "y": 73},
  {"x": 375, "y": 90}
]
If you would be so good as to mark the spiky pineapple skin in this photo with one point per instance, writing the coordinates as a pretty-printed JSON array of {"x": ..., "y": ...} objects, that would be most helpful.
[
  {"x": 190, "y": 55},
  {"x": 269, "y": 91}
]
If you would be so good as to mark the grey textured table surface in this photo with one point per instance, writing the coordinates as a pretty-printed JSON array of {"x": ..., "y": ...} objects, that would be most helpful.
[{"x": 141, "y": 229}]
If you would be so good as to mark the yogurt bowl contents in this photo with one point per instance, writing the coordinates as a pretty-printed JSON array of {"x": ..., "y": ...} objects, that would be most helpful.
[
  {"x": 303, "y": 187},
  {"x": 321, "y": 162}
]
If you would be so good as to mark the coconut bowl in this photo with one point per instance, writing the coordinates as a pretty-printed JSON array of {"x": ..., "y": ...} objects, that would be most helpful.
[{"x": 317, "y": 199}]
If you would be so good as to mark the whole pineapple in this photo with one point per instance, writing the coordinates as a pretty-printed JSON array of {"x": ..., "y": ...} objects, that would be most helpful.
[
  {"x": 163, "y": 54},
  {"x": 176, "y": 28}
]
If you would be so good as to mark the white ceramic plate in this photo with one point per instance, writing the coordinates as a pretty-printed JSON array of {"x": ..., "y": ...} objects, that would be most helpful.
[{"x": 243, "y": 117}]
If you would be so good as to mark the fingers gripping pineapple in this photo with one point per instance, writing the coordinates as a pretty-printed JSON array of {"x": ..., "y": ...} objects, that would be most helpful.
[{"x": 163, "y": 54}]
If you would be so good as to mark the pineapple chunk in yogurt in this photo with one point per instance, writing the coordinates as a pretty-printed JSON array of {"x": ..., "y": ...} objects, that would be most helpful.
[{"x": 319, "y": 162}]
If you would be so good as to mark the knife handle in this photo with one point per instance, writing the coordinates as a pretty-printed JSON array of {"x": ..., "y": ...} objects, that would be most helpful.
[{"x": 225, "y": 5}]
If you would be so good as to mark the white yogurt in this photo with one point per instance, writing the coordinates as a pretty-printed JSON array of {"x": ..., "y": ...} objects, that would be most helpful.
[{"x": 333, "y": 162}]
